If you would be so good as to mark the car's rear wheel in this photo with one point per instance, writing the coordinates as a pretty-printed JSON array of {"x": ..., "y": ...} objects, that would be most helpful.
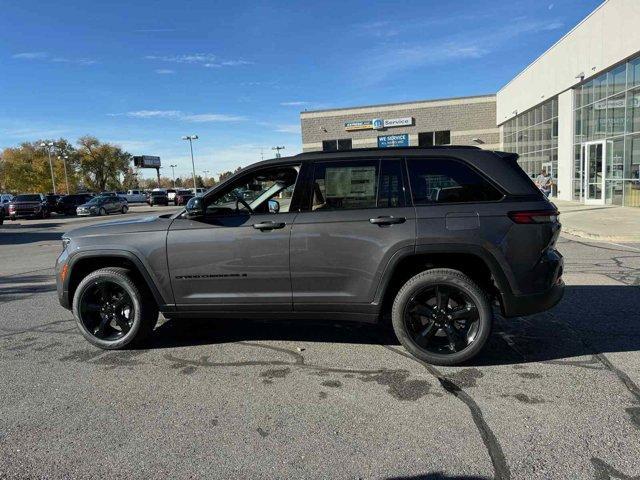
[
  {"x": 442, "y": 317},
  {"x": 111, "y": 311}
]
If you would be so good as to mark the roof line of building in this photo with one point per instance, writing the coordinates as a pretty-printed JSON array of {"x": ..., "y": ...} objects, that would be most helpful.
[
  {"x": 560, "y": 40},
  {"x": 414, "y": 102}
]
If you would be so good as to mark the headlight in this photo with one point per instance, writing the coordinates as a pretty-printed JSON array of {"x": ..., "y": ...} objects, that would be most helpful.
[{"x": 65, "y": 242}]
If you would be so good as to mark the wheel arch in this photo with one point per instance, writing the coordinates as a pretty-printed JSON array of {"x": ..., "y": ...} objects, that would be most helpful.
[
  {"x": 474, "y": 262},
  {"x": 83, "y": 263}
]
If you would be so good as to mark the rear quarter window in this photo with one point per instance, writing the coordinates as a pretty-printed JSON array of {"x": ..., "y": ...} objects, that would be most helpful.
[{"x": 444, "y": 180}]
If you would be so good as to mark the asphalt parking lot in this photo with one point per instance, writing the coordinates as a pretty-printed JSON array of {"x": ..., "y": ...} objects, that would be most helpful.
[{"x": 552, "y": 396}]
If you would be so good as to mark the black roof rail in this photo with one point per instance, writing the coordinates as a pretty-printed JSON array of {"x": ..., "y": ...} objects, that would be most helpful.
[{"x": 377, "y": 149}]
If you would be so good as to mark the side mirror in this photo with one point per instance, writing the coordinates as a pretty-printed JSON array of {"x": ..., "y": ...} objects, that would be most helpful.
[
  {"x": 274, "y": 206},
  {"x": 195, "y": 208}
]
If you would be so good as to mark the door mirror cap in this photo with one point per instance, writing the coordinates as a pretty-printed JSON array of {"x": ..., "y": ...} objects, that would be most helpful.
[
  {"x": 274, "y": 206},
  {"x": 195, "y": 208}
]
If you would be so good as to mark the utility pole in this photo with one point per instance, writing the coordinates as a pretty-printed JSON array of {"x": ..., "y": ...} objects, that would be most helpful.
[
  {"x": 173, "y": 174},
  {"x": 277, "y": 149},
  {"x": 191, "y": 138},
  {"x": 206, "y": 172},
  {"x": 66, "y": 178},
  {"x": 49, "y": 146},
  {"x": 261, "y": 153}
]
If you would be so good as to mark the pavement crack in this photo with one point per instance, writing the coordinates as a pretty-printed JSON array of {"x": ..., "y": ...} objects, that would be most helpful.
[{"x": 491, "y": 443}]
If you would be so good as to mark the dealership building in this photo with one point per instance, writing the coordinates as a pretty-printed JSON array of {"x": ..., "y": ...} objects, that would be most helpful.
[{"x": 574, "y": 111}]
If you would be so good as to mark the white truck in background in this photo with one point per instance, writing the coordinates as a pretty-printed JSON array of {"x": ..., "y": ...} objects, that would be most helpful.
[{"x": 135, "y": 196}]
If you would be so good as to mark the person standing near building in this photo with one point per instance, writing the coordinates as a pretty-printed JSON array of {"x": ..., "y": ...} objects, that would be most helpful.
[{"x": 543, "y": 182}]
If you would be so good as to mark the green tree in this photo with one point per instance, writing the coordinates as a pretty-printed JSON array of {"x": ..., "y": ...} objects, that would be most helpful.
[{"x": 101, "y": 164}]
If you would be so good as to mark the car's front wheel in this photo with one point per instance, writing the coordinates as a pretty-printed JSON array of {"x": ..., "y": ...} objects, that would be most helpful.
[
  {"x": 125, "y": 209},
  {"x": 442, "y": 317},
  {"x": 102, "y": 212},
  {"x": 111, "y": 311}
]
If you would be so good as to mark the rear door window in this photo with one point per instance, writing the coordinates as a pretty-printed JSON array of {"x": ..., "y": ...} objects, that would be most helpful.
[{"x": 444, "y": 180}]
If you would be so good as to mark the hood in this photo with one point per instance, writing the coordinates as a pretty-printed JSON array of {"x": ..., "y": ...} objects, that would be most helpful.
[{"x": 130, "y": 225}]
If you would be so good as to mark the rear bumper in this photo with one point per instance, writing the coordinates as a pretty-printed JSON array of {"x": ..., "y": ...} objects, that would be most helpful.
[{"x": 521, "y": 305}]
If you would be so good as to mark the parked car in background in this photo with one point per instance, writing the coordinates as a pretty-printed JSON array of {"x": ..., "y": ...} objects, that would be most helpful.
[
  {"x": 52, "y": 201},
  {"x": 28, "y": 205},
  {"x": 198, "y": 191},
  {"x": 68, "y": 204},
  {"x": 158, "y": 197},
  {"x": 103, "y": 205},
  {"x": 5, "y": 198},
  {"x": 182, "y": 197},
  {"x": 135, "y": 196},
  {"x": 171, "y": 194}
]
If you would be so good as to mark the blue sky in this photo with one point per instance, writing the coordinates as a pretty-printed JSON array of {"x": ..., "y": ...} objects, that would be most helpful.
[{"x": 142, "y": 74}]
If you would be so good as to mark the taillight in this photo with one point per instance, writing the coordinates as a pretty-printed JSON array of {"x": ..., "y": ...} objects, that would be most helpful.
[{"x": 534, "y": 216}]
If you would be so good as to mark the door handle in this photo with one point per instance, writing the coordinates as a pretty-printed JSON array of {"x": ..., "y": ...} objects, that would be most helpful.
[
  {"x": 387, "y": 220},
  {"x": 268, "y": 226}
]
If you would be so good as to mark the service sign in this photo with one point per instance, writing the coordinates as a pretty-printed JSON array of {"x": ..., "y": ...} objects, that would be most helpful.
[
  {"x": 388, "y": 141},
  {"x": 358, "y": 125},
  {"x": 398, "y": 122}
]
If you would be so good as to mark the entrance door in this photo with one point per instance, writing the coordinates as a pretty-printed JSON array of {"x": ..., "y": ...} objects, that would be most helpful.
[{"x": 594, "y": 163}]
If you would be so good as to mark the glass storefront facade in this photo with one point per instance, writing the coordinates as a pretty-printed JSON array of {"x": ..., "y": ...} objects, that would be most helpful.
[
  {"x": 607, "y": 110},
  {"x": 533, "y": 135}
]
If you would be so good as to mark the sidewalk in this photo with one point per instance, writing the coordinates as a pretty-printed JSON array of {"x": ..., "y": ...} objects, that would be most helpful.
[{"x": 600, "y": 222}]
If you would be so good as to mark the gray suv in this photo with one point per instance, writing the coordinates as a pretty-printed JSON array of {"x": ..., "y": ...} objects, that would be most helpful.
[{"x": 432, "y": 238}]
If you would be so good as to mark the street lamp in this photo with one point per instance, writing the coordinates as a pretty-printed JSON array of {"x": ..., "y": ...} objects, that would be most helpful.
[
  {"x": 191, "y": 138},
  {"x": 49, "y": 146},
  {"x": 277, "y": 149},
  {"x": 64, "y": 162},
  {"x": 173, "y": 174},
  {"x": 206, "y": 172}
]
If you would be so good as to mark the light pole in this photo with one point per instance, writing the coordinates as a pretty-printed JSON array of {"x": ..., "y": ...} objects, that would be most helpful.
[
  {"x": 206, "y": 173},
  {"x": 49, "y": 146},
  {"x": 173, "y": 175},
  {"x": 66, "y": 178},
  {"x": 191, "y": 138},
  {"x": 277, "y": 149}
]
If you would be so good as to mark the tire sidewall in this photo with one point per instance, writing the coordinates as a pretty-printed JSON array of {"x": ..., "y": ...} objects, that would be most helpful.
[
  {"x": 450, "y": 278},
  {"x": 122, "y": 281},
  {"x": 102, "y": 212}
]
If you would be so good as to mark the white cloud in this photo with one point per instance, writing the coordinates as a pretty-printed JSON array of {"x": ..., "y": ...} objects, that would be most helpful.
[
  {"x": 294, "y": 104},
  {"x": 30, "y": 55},
  {"x": 164, "y": 71},
  {"x": 182, "y": 116},
  {"x": 212, "y": 117},
  {"x": 55, "y": 59},
  {"x": 288, "y": 128},
  {"x": 186, "y": 58}
]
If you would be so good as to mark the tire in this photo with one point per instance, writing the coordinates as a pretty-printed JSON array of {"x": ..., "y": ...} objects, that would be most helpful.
[
  {"x": 12, "y": 218},
  {"x": 453, "y": 281},
  {"x": 125, "y": 209},
  {"x": 144, "y": 314},
  {"x": 102, "y": 212}
]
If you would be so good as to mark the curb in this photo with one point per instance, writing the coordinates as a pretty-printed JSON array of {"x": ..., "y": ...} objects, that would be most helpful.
[{"x": 602, "y": 238}]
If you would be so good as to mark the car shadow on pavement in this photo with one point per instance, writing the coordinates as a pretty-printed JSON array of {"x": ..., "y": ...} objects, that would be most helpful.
[
  {"x": 589, "y": 320},
  {"x": 187, "y": 332}
]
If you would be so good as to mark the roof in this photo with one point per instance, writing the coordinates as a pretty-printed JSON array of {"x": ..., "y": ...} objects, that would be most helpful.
[{"x": 488, "y": 96}]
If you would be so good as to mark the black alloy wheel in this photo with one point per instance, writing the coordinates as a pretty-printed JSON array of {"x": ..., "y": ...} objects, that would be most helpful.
[
  {"x": 106, "y": 310},
  {"x": 442, "y": 319}
]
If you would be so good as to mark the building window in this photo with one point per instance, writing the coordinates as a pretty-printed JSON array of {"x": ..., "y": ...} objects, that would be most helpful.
[
  {"x": 607, "y": 108},
  {"x": 335, "y": 145},
  {"x": 429, "y": 139}
]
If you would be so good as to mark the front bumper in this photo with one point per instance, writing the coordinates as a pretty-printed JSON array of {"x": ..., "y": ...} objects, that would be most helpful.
[{"x": 61, "y": 285}]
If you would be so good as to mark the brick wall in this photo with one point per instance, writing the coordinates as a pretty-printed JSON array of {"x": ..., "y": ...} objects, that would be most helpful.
[{"x": 466, "y": 118}]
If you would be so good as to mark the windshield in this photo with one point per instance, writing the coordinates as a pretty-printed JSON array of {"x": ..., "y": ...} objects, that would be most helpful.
[
  {"x": 27, "y": 198},
  {"x": 97, "y": 200}
]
